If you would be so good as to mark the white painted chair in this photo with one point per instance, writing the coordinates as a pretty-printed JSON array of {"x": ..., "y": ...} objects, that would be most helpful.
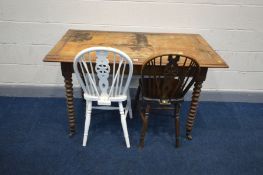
[{"x": 105, "y": 83}]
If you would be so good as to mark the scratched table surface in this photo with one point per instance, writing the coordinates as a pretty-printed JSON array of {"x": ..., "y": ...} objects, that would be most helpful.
[{"x": 139, "y": 46}]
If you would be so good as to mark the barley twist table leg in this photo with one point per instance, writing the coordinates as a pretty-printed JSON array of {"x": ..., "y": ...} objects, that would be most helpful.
[
  {"x": 67, "y": 71},
  {"x": 70, "y": 105},
  {"x": 193, "y": 109}
]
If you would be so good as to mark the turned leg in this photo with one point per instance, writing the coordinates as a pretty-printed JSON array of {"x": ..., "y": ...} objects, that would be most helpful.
[
  {"x": 193, "y": 109},
  {"x": 144, "y": 117},
  {"x": 177, "y": 124},
  {"x": 67, "y": 71},
  {"x": 87, "y": 122},
  {"x": 124, "y": 125}
]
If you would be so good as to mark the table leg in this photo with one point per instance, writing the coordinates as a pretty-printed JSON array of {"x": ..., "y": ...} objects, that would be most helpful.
[
  {"x": 194, "y": 103},
  {"x": 67, "y": 70}
]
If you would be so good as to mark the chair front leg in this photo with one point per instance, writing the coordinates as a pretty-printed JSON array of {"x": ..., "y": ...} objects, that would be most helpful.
[
  {"x": 87, "y": 122},
  {"x": 144, "y": 117},
  {"x": 124, "y": 125},
  {"x": 177, "y": 124}
]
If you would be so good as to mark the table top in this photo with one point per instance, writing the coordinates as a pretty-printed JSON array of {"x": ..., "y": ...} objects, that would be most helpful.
[{"x": 139, "y": 46}]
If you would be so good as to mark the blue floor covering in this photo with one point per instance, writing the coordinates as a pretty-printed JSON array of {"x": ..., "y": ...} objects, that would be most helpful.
[{"x": 227, "y": 139}]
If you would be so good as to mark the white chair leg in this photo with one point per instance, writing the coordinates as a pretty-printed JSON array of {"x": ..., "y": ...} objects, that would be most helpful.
[
  {"x": 124, "y": 125},
  {"x": 129, "y": 104},
  {"x": 87, "y": 122}
]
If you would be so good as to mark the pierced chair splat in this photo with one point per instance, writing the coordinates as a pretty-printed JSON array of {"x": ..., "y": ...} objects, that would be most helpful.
[
  {"x": 104, "y": 75},
  {"x": 165, "y": 79}
]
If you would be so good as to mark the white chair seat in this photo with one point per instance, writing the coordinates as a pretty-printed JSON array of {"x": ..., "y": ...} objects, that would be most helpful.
[{"x": 112, "y": 99}]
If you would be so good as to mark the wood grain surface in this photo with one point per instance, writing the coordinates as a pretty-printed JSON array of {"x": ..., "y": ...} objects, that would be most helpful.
[{"x": 139, "y": 46}]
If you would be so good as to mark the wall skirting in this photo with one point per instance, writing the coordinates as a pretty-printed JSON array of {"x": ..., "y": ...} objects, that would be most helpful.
[{"x": 58, "y": 91}]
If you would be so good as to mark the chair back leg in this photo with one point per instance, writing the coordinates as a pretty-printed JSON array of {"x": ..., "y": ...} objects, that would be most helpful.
[
  {"x": 129, "y": 106},
  {"x": 137, "y": 98},
  {"x": 177, "y": 124}
]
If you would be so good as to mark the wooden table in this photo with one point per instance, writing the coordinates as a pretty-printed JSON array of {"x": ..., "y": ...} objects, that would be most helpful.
[{"x": 139, "y": 46}]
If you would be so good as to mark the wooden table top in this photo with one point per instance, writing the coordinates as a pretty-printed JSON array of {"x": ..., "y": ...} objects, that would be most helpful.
[{"x": 139, "y": 46}]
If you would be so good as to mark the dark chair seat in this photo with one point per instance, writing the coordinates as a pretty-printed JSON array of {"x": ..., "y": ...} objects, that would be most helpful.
[{"x": 161, "y": 90}]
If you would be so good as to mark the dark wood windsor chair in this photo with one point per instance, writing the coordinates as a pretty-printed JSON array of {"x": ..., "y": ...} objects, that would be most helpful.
[{"x": 165, "y": 79}]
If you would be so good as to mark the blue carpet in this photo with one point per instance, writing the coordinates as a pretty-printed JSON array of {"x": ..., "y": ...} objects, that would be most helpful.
[{"x": 227, "y": 139}]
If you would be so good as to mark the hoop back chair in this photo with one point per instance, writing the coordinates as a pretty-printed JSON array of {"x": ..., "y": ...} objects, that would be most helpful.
[
  {"x": 165, "y": 79},
  {"x": 101, "y": 73}
]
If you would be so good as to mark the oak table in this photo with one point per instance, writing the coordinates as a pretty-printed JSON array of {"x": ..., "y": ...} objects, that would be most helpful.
[{"x": 139, "y": 46}]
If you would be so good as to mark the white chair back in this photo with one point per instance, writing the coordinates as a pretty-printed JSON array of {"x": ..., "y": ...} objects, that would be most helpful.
[{"x": 101, "y": 72}]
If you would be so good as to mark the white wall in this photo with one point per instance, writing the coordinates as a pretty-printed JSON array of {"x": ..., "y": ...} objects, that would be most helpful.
[{"x": 30, "y": 28}]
